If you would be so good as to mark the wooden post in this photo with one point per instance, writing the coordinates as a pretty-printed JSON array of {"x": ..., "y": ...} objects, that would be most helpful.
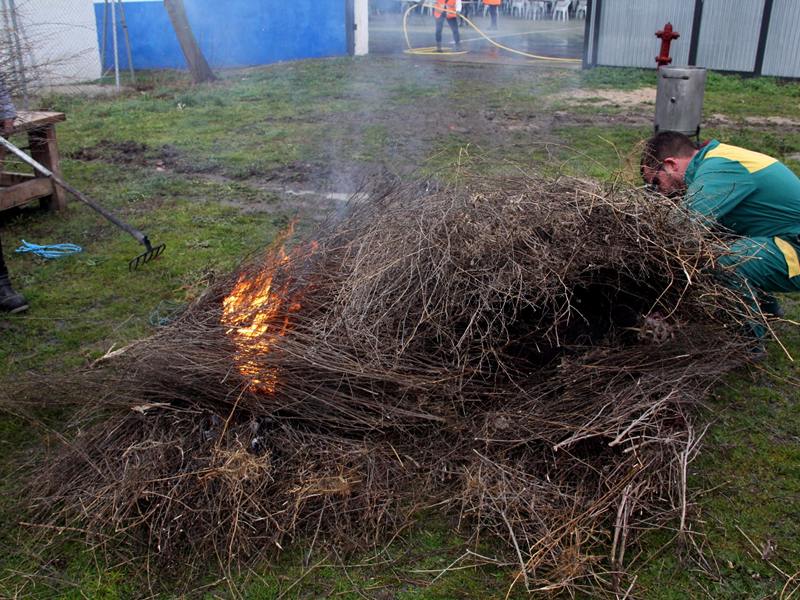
[
  {"x": 198, "y": 66},
  {"x": 45, "y": 150}
]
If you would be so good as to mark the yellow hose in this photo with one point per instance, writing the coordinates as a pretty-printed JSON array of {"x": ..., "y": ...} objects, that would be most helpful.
[{"x": 432, "y": 50}]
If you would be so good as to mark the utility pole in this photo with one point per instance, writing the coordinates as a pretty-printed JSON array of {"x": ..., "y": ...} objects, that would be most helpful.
[
  {"x": 197, "y": 63},
  {"x": 115, "y": 44}
]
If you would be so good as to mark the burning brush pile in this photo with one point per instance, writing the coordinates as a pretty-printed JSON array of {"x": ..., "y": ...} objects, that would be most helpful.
[{"x": 526, "y": 355}]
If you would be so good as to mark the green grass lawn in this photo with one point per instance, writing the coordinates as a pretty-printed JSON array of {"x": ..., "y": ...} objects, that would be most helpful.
[{"x": 205, "y": 170}]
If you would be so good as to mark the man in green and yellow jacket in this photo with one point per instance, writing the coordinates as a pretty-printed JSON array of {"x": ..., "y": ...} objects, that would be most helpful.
[{"x": 750, "y": 194}]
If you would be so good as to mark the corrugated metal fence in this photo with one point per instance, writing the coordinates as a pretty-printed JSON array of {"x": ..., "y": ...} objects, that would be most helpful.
[{"x": 760, "y": 37}]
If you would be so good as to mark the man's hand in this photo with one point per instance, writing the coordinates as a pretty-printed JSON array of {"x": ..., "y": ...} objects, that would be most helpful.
[{"x": 7, "y": 126}]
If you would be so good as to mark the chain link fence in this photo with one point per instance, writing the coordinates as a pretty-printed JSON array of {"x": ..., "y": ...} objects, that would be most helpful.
[{"x": 49, "y": 46}]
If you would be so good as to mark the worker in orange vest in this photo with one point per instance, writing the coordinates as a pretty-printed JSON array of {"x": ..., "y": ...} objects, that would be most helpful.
[
  {"x": 492, "y": 6},
  {"x": 447, "y": 10}
]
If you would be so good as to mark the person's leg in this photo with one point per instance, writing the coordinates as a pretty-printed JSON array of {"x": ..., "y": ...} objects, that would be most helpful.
[
  {"x": 10, "y": 301},
  {"x": 454, "y": 28},
  {"x": 439, "y": 25},
  {"x": 757, "y": 267},
  {"x": 760, "y": 262},
  {"x": 493, "y": 14},
  {"x": 770, "y": 306},
  {"x": 3, "y": 268}
]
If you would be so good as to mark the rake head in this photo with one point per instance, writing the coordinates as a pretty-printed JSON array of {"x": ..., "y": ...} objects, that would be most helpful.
[{"x": 151, "y": 253}]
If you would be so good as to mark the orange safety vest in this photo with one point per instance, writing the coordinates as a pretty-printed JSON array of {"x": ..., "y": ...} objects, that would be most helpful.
[
  {"x": 445, "y": 6},
  {"x": 492, "y": 2}
]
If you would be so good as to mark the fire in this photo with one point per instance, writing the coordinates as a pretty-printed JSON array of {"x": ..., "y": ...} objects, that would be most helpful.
[{"x": 256, "y": 317}]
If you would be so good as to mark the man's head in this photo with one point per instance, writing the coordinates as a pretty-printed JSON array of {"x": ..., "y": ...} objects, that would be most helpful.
[{"x": 664, "y": 160}]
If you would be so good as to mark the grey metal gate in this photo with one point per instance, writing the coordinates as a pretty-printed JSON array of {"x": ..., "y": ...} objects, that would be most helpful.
[{"x": 745, "y": 36}]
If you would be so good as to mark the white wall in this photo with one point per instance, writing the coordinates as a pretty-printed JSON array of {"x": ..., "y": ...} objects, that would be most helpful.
[
  {"x": 59, "y": 40},
  {"x": 361, "y": 10}
]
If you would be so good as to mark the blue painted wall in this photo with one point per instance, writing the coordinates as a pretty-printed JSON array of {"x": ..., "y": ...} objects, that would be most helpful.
[{"x": 233, "y": 33}]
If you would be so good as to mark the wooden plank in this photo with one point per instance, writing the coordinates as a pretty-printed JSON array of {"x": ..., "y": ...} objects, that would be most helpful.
[
  {"x": 45, "y": 150},
  {"x": 21, "y": 188},
  {"x": 28, "y": 119},
  {"x": 22, "y": 193},
  {"x": 7, "y": 179}
]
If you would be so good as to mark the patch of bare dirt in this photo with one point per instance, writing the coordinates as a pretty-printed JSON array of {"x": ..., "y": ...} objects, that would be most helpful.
[
  {"x": 609, "y": 97},
  {"x": 126, "y": 152},
  {"x": 543, "y": 122},
  {"x": 129, "y": 152},
  {"x": 783, "y": 123},
  {"x": 308, "y": 189},
  {"x": 634, "y": 119}
]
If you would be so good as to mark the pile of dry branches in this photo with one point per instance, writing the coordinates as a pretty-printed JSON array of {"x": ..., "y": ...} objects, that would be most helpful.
[{"x": 524, "y": 354}]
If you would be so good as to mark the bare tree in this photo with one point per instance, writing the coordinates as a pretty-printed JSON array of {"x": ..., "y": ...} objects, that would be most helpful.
[{"x": 198, "y": 65}]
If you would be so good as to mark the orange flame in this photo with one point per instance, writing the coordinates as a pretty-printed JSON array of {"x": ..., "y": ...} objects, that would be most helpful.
[{"x": 251, "y": 313}]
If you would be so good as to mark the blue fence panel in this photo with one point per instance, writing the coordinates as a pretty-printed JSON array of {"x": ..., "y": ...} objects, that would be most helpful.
[
  {"x": 153, "y": 41},
  {"x": 235, "y": 33}
]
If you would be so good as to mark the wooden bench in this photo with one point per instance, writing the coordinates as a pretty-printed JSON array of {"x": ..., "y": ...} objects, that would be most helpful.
[{"x": 17, "y": 189}]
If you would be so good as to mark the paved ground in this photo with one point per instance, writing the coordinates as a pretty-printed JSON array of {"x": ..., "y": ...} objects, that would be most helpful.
[{"x": 543, "y": 37}]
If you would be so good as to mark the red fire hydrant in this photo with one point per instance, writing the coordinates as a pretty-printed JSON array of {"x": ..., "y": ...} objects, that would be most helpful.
[{"x": 666, "y": 35}]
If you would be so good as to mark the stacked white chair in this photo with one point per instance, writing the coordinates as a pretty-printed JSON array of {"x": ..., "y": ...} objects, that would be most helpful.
[
  {"x": 520, "y": 8},
  {"x": 561, "y": 10}
]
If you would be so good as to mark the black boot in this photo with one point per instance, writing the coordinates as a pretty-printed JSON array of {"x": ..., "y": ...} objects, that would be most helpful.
[
  {"x": 10, "y": 301},
  {"x": 771, "y": 307}
]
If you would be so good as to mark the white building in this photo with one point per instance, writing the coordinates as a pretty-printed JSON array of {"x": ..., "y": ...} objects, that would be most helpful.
[{"x": 57, "y": 39}]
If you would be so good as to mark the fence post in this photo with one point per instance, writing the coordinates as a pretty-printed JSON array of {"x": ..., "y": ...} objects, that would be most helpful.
[
  {"x": 114, "y": 42},
  {"x": 127, "y": 39},
  {"x": 598, "y": 6},
  {"x": 766, "y": 17},
  {"x": 697, "y": 20},
  {"x": 587, "y": 29},
  {"x": 350, "y": 24}
]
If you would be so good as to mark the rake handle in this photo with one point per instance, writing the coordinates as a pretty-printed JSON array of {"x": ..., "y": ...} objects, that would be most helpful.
[{"x": 138, "y": 235}]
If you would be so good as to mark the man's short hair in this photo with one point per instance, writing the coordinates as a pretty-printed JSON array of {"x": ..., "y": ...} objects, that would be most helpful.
[{"x": 663, "y": 145}]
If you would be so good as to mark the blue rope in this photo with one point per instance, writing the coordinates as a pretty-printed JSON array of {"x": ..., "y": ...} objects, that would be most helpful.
[
  {"x": 49, "y": 250},
  {"x": 166, "y": 312}
]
